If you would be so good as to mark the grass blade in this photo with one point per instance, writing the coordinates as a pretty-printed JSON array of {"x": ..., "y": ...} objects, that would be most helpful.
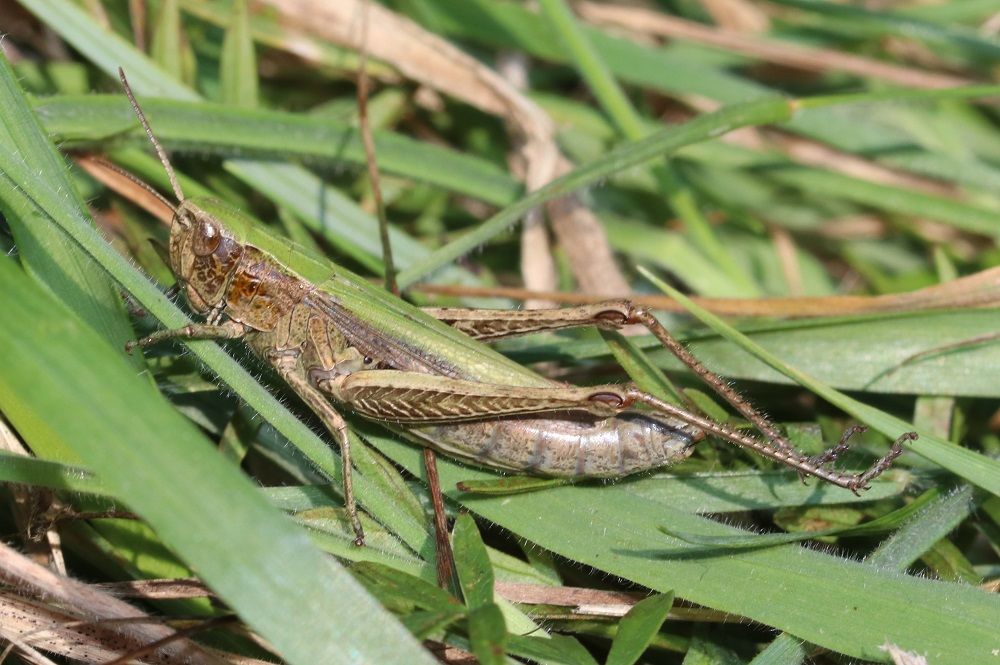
[
  {"x": 638, "y": 628},
  {"x": 238, "y": 65}
]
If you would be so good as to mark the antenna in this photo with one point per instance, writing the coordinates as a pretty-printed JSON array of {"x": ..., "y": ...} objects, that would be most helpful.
[{"x": 152, "y": 138}]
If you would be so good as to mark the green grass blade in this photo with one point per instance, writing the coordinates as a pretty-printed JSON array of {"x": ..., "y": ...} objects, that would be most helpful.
[
  {"x": 391, "y": 585},
  {"x": 881, "y": 24},
  {"x": 51, "y": 258},
  {"x": 874, "y": 527},
  {"x": 238, "y": 65},
  {"x": 475, "y": 572},
  {"x": 45, "y": 473},
  {"x": 638, "y": 628},
  {"x": 933, "y": 522},
  {"x": 214, "y": 128},
  {"x": 959, "y": 214},
  {"x": 106, "y": 49},
  {"x": 555, "y": 649},
  {"x": 169, "y": 42}
]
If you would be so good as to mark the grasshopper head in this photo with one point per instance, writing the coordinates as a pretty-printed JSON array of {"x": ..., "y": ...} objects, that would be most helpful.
[{"x": 203, "y": 255}]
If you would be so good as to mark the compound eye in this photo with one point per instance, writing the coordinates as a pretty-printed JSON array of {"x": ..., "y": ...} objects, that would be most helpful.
[{"x": 206, "y": 238}]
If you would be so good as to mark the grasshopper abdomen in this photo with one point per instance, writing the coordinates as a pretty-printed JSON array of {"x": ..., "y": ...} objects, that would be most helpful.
[{"x": 567, "y": 444}]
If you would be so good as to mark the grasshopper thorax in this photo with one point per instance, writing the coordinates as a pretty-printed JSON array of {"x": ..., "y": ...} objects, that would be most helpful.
[{"x": 203, "y": 255}]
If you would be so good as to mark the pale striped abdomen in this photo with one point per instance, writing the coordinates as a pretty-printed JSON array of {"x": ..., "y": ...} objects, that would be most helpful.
[{"x": 565, "y": 444}]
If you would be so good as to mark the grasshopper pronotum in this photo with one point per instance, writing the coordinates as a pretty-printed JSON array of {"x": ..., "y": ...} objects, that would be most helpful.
[{"x": 334, "y": 339}]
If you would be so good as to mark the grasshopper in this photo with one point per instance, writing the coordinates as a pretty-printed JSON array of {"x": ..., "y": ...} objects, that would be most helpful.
[{"x": 334, "y": 339}]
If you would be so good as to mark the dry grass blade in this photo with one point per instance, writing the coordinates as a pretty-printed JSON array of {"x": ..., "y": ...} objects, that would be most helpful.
[
  {"x": 125, "y": 184},
  {"x": 158, "y": 589},
  {"x": 84, "y": 603},
  {"x": 590, "y": 603},
  {"x": 646, "y": 21},
  {"x": 27, "y": 506},
  {"x": 583, "y": 239},
  {"x": 981, "y": 289},
  {"x": 31, "y": 627},
  {"x": 538, "y": 268},
  {"x": 583, "y": 601}
]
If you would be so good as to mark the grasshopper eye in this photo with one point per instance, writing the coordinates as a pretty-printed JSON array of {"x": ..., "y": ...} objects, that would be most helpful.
[{"x": 206, "y": 238}]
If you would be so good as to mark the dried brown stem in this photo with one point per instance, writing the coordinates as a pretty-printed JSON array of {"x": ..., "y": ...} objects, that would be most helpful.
[
  {"x": 370, "y": 160},
  {"x": 647, "y": 21},
  {"x": 89, "y": 604},
  {"x": 981, "y": 289}
]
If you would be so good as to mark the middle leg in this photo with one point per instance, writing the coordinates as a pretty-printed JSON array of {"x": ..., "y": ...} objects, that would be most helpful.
[{"x": 286, "y": 363}]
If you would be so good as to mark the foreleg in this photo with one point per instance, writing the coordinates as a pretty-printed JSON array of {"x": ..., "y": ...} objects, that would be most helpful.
[{"x": 226, "y": 330}]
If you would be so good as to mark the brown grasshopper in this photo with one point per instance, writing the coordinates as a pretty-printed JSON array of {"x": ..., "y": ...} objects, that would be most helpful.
[{"x": 335, "y": 339}]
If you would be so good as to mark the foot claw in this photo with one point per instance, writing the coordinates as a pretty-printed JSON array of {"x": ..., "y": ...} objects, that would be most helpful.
[{"x": 879, "y": 467}]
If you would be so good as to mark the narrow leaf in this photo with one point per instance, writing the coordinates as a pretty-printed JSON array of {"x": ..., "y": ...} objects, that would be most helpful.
[
  {"x": 554, "y": 649},
  {"x": 638, "y": 628},
  {"x": 510, "y": 485},
  {"x": 475, "y": 572},
  {"x": 425, "y": 623},
  {"x": 488, "y": 634},
  {"x": 238, "y": 65},
  {"x": 169, "y": 48},
  {"x": 386, "y": 582},
  {"x": 52, "y": 258}
]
